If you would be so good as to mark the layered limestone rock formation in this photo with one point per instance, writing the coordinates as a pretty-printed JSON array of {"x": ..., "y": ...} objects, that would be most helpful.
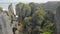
[{"x": 5, "y": 27}]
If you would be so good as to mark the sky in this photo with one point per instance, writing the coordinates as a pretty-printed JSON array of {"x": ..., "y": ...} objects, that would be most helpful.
[{"x": 26, "y": 1}]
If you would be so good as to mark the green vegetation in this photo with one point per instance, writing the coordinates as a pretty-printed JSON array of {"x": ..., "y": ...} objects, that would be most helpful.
[
  {"x": 34, "y": 19},
  {"x": 1, "y": 9}
]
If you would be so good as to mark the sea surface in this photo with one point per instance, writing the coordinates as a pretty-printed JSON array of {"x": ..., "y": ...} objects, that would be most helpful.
[{"x": 6, "y": 4}]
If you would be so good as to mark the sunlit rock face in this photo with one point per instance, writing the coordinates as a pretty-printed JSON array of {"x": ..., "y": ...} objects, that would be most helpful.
[
  {"x": 10, "y": 10},
  {"x": 5, "y": 27},
  {"x": 57, "y": 18}
]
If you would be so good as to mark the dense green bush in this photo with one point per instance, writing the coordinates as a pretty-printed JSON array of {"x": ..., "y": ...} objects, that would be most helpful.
[{"x": 34, "y": 19}]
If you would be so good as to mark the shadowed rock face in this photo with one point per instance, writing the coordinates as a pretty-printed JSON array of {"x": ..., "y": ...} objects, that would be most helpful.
[
  {"x": 1, "y": 29},
  {"x": 57, "y": 18},
  {"x": 51, "y": 5},
  {"x": 22, "y": 11}
]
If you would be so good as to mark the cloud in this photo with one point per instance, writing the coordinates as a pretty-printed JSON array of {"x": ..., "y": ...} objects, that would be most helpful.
[
  {"x": 27, "y": 1},
  {"x": 7, "y": 1},
  {"x": 36, "y": 1}
]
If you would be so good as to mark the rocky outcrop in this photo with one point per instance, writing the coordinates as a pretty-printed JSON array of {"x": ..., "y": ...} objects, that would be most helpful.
[
  {"x": 57, "y": 21},
  {"x": 5, "y": 25}
]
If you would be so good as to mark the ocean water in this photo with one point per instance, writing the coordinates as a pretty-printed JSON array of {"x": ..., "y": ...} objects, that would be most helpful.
[{"x": 5, "y": 5}]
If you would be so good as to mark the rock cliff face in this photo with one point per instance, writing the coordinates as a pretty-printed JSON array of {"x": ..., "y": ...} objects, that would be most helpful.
[
  {"x": 5, "y": 27},
  {"x": 51, "y": 5},
  {"x": 10, "y": 10},
  {"x": 22, "y": 11},
  {"x": 57, "y": 20}
]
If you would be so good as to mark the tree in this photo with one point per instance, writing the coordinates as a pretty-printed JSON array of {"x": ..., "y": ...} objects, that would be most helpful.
[
  {"x": 27, "y": 25},
  {"x": 34, "y": 19},
  {"x": 39, "y": 15},
  {"x": 38, "y": 18}
]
